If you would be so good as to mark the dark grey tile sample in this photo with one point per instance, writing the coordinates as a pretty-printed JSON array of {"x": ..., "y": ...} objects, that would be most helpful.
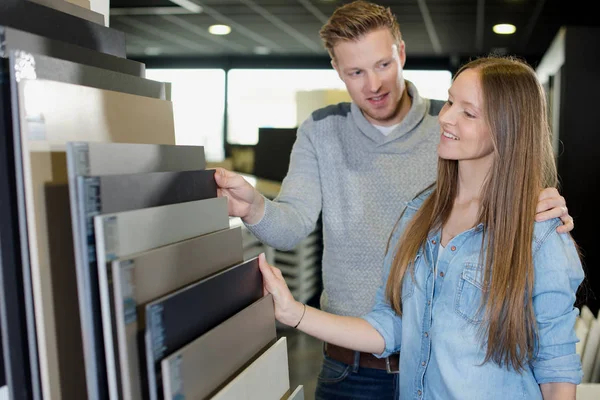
[
  {"x": 72, "y": 9},
  {"x": 117, "y": 193},
  {"x": 16, "y": 39},
  {"x": 177, "y": 319},
  {"x": 55, "y": 69},
  {"x": 57, "y": 25}
]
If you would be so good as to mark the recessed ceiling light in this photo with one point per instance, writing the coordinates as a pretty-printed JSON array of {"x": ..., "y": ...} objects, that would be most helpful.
[
  {"x": 152, "y": 51},
  {"x": 504, "y": 29},
  {"x": 262, "y": 50},
  {"x": 219, "y": 29}
]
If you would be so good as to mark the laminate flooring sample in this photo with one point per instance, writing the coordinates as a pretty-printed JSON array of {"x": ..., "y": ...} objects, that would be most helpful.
[
  {"x": 201, "y": 367},
  {"x": 143, "y": 277},
  {"x": 175, "y": 320},
  {"x": 267, "y": 378}
]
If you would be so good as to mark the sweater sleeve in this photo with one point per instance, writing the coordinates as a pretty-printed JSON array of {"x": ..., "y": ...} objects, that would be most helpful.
[{"x": 293, "y": 215}]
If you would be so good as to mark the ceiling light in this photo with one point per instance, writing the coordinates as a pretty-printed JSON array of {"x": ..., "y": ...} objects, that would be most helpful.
[
  {"x": 219, "y": 29},
  {"x": 262, "y": 50},
  {"x": 504, "y": 29},
  {"x": 152, "y": 51}
]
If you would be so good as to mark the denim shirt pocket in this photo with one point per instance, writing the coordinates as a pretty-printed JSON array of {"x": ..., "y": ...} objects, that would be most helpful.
[
  {"x": 469, "y": 293},
  {"x": 408, "y": 283}
]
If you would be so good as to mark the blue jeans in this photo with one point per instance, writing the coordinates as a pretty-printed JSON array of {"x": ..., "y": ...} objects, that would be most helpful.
[{"x": 339, "y": 381}]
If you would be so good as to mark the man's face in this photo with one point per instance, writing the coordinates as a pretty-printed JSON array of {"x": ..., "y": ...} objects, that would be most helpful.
[{"x": 371, "y": 68}]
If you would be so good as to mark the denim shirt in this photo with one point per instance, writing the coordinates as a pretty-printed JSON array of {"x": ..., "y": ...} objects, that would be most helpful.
[{"x": 441, "y": 350}]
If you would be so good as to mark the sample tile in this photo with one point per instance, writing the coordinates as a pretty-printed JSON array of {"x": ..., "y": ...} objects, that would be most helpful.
[
  {"x": 77, "y": 11},
  {"x": 124, "y": 233},
  {"x": 15, "y": 39},
  {"x": 99, "y": 159},
  {"x": 50, "y": 114},
  {"x": 201, "y": 367},
  {"x": 57, "y": 25},
  {"x": 55, "y": 69},
  {"x": 118, "y": 193},
  {"x": 177, "y": 319},
  {"x": 143, "y": 277},
  {"x": 267, "y": 378}
]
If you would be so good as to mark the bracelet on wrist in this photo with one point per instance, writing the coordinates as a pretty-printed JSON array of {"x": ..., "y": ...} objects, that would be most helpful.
[{"x": 303, "y": 312}]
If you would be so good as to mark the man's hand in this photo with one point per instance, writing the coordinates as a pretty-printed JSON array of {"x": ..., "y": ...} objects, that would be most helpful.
[
  {"x": 242, "y": 199},
  {"x": 552, "y": 205}
]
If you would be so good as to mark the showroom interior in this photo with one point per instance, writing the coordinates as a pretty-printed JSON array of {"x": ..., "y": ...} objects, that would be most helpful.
[{"x": 114, "y": 114}]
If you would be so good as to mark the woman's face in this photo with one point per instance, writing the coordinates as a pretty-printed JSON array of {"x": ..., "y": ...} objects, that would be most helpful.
[{"x": 465, "y": 134}]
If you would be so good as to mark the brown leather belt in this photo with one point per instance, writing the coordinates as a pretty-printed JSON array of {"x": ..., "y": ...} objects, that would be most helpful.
[{"x": 366, "y": 360}]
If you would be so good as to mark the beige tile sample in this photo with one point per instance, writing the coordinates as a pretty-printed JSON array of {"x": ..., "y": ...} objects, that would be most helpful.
[{"x": 267, "y": 378}]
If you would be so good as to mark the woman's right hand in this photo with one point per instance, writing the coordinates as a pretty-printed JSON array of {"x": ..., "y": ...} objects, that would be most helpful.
[{"x": 288, "y": 311}]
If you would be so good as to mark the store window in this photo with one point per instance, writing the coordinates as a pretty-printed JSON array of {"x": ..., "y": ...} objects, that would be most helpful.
[
  {"x": 198, "y": 97},
  {"x": 268, "y": 97}
]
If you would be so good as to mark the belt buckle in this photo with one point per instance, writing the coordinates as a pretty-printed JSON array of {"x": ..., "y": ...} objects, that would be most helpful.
[{"x": 388, "y": 367}]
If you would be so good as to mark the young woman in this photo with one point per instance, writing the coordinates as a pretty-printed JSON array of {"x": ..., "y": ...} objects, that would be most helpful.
[{"x": 477, "y": 297}]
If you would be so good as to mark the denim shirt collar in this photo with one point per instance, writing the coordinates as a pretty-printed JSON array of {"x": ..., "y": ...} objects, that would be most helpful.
[{"x": 435, "y": 237}]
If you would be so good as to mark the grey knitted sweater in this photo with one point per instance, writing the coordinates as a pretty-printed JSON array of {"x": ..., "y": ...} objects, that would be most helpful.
[{"x": 360, "y": 180}]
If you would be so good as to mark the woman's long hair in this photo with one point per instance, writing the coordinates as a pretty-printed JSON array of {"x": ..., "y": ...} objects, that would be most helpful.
[{"x": 514, "y": 106}]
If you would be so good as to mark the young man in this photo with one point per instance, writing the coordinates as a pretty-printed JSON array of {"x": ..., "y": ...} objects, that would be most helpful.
[{"x": 359, "y": 164}]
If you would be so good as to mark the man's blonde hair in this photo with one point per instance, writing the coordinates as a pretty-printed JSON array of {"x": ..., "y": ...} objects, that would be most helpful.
[{"x": 353, "y": 20}]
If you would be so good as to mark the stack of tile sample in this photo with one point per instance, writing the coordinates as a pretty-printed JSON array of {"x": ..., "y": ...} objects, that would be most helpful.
[{"x": 115, "y": 252}]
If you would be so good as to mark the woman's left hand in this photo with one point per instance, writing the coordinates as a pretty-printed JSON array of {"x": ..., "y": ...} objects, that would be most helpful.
[{"x": 287, "y": 310}]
